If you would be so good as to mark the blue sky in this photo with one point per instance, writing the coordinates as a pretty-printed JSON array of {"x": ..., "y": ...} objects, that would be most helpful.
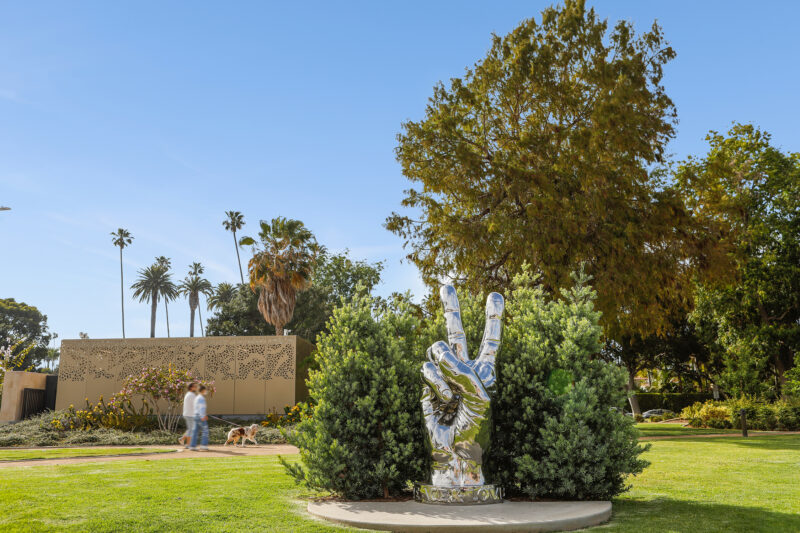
[{"x": 159, "y": 116}]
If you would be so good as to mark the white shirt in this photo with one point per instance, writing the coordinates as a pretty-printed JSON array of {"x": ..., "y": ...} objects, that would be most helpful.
[{"x": 188, "y": 403}]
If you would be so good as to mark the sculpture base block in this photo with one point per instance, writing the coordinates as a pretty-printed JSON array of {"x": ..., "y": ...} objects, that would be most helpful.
[
  {"x": 462, "y": 495},
  {"x": 420, "y": 518}
]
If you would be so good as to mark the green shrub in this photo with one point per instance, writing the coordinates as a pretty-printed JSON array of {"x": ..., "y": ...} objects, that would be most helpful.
[
  {"x": 639, "y": 418},
  {"x": 781, "y": 415},
  {"x": 39, "y": 431},
  {"x": 549, "y": 442},
  {"x": 11, "y": 440},
  {"x": 555, "y": 433},
  {"x": 365, "y": 439},
  {"x": 118, "y": 413}
]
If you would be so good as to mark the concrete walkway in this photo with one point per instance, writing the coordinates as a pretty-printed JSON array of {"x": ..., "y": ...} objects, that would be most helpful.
[
  {"x": 180, "y": 453},
  {"x": 508, "y": 516}
]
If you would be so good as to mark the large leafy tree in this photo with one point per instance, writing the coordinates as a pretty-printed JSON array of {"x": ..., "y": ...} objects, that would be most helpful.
[
  {"x": 24, "y": 327},
  {"x": 750, "y": 190},
  {"x": 543, "y": 153},
  {"x": 336, "y": 278},
  {"x": 283, "y": 262},
  {"x": 233, "y": 223},
  {"x": 121, "y": 238},
  {"x": 154, "y": 282}
]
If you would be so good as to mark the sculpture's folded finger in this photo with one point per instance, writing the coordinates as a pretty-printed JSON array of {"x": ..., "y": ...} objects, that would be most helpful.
[
  {"x": 433, "y": 379},
  {"x": 459, "y": 375}
]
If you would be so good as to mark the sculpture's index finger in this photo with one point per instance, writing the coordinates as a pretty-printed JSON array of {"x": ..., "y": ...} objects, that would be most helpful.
[
  {"x": 452, "y": 317},
  {"x": 490, "y": 345}
]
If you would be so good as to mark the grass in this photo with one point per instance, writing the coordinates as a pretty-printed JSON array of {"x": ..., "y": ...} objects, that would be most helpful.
[
  {"x": 63, "y": 453},
  {"x": 671, "y": 429},
  {"x": 731, "y": 484}
]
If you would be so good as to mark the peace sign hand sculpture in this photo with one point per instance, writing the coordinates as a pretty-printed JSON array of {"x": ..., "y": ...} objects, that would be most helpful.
[{"x": 457, "y": 394}]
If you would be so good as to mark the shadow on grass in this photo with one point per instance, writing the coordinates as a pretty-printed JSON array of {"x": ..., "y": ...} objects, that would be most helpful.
[
  {"x": 771, "y": 442},
  {"x": 763, "y": 442},
  {"x": 694, "y": 517}
]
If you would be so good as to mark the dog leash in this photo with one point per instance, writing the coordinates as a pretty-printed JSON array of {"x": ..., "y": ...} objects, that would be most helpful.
[{"x": 222, "y": 420}]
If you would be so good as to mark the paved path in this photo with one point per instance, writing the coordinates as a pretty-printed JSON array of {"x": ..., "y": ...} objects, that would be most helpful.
[
  {"x": 425, "y": 518},
  {"x": 180, "y": 453}
]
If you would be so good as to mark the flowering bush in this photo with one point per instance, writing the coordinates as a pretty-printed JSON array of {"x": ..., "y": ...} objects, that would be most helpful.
[
  {"x": 292, "y": 415},
  {"x": 709, "y": 414},
  {"x": 12, "y": 357},
  {"x": 163, "y": 388},
  {"x": 118, "y": 413}
]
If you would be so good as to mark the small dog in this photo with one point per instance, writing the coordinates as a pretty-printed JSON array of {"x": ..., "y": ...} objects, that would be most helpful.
[{"x": 248, "y": 433}]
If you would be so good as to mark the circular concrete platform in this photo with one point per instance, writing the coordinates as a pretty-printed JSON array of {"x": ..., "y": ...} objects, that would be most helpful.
[{"x": 508, "y": 516}]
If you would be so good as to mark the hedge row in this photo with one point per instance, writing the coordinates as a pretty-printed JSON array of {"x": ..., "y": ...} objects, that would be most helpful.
[
  {"x": 780, "y": 415},
  {"x": 672, "y": 401}
]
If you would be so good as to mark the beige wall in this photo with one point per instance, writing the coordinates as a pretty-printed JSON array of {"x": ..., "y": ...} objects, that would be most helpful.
[
  {"x": 13, "y": 383},
  {"x": 252, "y": 375}
]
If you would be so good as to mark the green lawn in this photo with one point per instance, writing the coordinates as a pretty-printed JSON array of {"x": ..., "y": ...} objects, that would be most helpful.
[
  {"x": 62, "y": 453},
  {"x": 668, "y": 429},
  {"x": 693, "y": 485}
]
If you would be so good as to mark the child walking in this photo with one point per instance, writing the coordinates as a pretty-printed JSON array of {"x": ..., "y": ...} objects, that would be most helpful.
[{"x": 201, "y": 420}]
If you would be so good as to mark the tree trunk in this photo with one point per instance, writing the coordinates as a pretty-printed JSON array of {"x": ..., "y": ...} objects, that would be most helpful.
[
  {"x": 635, "y": 409},
  {"x": 278, "y": 329},
  {"x": 153, "y": 307},
  {"x": 166, "y": 308},
  {"x": 121, "y": 292},
  {"x": 191, "y": 324},
  {"x": 200, "y": 315},
  {"x": 236, "y": 245}
]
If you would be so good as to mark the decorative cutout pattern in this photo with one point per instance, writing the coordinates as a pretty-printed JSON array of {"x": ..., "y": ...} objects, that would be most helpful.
[{"x": 214, "y": 358}]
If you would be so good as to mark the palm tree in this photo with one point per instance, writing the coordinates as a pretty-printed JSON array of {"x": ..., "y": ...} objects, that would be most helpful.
[
  {"x": 121, "y": 238},
  {"x": 193, "y": 286},
  {"x": 154, "y": 282},
  {"x": 233, "y": 223},
  {"x": 168, "y": 295},
  {"x": 281, "y": 267},
  {"x": 223, "y": 293}
]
